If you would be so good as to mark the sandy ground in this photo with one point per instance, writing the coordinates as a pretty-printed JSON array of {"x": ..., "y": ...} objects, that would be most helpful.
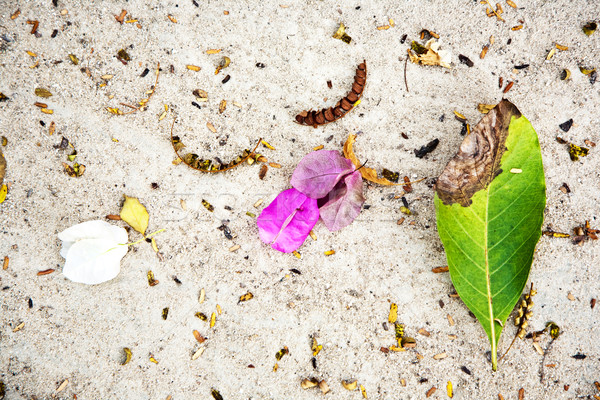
[{"x": 78, "y": 332}]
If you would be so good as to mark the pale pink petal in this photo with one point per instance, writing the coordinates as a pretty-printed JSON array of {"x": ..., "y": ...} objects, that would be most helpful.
[{"x": 319, "y": 171}]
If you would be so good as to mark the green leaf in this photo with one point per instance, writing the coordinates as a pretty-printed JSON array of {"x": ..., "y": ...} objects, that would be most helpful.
[{"x": 490, "y": 202}]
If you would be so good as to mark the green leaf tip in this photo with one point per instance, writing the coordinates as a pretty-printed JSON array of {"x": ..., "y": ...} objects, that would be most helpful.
[{"x": 490, "y": 201}]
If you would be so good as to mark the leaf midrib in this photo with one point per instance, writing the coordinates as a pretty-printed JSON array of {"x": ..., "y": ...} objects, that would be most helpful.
[{"x": 487, "y": 275}]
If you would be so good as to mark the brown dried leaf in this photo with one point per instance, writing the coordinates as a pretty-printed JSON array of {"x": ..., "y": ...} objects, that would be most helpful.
[{"x": 367, "y": 173}]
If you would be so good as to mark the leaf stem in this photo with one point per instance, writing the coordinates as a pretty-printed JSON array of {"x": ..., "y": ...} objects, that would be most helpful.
[{"x": 142, "y": 239}]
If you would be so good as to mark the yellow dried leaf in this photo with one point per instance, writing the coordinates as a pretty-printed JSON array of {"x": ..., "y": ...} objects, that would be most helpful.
[
  {"x": 213, "y": 320},
  {"x": 449, "y": 390},
  {"x": 172, "y": 18},
  {"x": 31, "y": 53},
  {"x": 135, "y": 214},
  {"x": 383, "y": 28},
  {"x": 213, "y": 51},
  {"x": 154, "y": 360},
  {"x": 550, "y": 54},
  {"x": 316, "y": 347},
  {"x": 222, "y": 106},
  {"x": 73, "y": 59},
  {"x": 210, "y": 126},
  {"x": 296, "y": 254},
  {"x": 429, "y": 54},
  {"x": 329, "y": 252},
  {"x": 224, "y": 64},
  {"x": 511, "y": 3},
  {"x": 363, "y": 391},
  {"x": 308, "y": 382},
  {"x": 193, "y": 67},
  {"x": 267, "y": 145},
  {"x": 367, "y": 173},
  {"x": 47, "y": 111},
  {"x": 198, "y": 353},
  {"x": 393, "y": 317},
  {"x": 202, "y": 296},
  {"x": 350, "y": 385},
  {"x": 517, "y": 28}
]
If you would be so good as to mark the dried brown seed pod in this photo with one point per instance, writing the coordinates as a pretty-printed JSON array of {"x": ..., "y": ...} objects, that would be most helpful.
[{"x": 325, "y": 116}]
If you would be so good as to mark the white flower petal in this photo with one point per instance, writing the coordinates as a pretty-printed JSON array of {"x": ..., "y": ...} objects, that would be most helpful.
[
  {"x": 93, "y": 261},
  {"x": 96, "y": 229}
]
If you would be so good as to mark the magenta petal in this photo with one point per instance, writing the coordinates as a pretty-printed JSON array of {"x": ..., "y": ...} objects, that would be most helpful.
[
  {"x": 287, "y": 221},
  {"x": 344, "y": 202},
  {"x": 319, "y": 171}
]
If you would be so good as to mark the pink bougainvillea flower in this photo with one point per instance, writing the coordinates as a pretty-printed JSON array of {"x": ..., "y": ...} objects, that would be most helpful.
[
  {"x": 343, "y": 204},
  {"x": 287, "y": 221},
  {"x": 318, "y": 172}
]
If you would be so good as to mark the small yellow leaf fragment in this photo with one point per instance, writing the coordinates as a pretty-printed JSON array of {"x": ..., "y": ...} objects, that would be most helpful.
[
  {"x": 449, "y": 390},
  {"x": 31, "y": 53},
  {"x": 274, "y": 165},
  {"x": 154, "y": 245},
  {"x": 246, "y": 296},
  {"x": 440, "y": 356},
  {"x": 3, "y": 193},
  {"x": 516, "y": 171},
  {"x": 312, "y": 235},
  {"x": 267, "y": 145},
  {"x": 350, "y": 385},
  {"x": 5, "y": 263},
  {"x": 114, "y": 110},
  {"x": 211, "y": 127},
  {"x": 213, "y": 51},
  {"x": 383, "y": 28},
  {"x": 363, "y": 391},
  {"x": 324, "y": 387},
  {"x": 194, "y": 68},
  {"x": 538, "y": 348},
  {"x": 561, "y": 47},
  {"x": 234, "y": 248},
  {"x": 154, "y": 360},
  {"x": 517, "y": 28},
  {"x": 459, "y": 116},
  {"x": 511, "y": 3},
  {"x": 551, "y": 54},
  {"x": 213, "y": 319},
  {"x": 47, "y": 111},
  {"x": 329, "y": 252},
  {"x": 202, "y": 296},
  {"x": 219, "y": 309},
  {"x": 258, "y": 203},
  {"x": 450, "y": 319},
  {"x": 396, "y": 348},
  {"x": 484, "y": 51},
  {"x": 19, "y": 327},
  {"x": 296, "y": 254},
  {"x": 135, "y": 214},
  {"x": 485, "y": 108},
  {"x": 106, "y": 77},
  {"x": 172, "y": 18},
  {"x": 393, "y": 316},
  {"x": 392, "y": 22},
  {"x": 62, "y": 386},
  {"x": 316, "y": 347},
  {"x": 73, "y": 59},
  {"x": 320, "y": 147},
  {"x": 128, "y": 354},
  {"x": 198, "y": 353},
  {"x": 341, "y": 34},
  {"x": 307, "y": 383}
]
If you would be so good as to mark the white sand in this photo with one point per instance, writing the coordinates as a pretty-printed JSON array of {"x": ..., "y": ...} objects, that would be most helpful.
[{"x": 77, "y": 332}]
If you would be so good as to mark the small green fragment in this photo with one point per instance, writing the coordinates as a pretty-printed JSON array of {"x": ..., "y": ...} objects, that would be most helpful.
[
  {"x": 417, "y": 48},
  {"x": 341, "y": 34},
  {"x": 123, "y": 55},
  {"x": 575, "y": 151},
  {"x": 73, "y": 59},
  {"x": 389, "y": 175},
  {"x": 248, "y": 213},
  {"x": 207, "y": 205},
  {"x": 554, "y": 330},
  {"x": 589, "y": 28},
  {"x": 279, "y": 355},
  {"x": 216, "y": 395},
  {"x": 71, "y": 157},
  {"x": 165, "y": 313},
  {"x": 405, "y": 210}
]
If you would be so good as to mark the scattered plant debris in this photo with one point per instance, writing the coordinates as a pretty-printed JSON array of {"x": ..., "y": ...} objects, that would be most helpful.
[{"x": 341, "y": 34}]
